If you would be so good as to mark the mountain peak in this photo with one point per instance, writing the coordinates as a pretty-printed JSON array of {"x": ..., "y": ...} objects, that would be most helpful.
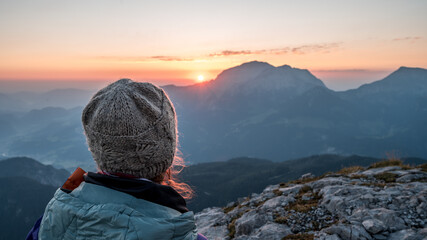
[
  {"x": 247, "y": 66},
  {"x": 261, "y": 76},
  {"x": 239, "y": 74},
  {"x": 405, "y": 79},
  {"x": 253, "y": 63},
  {"x": 285, "y": 67},
  {"x": 411, "y": 71},
  {"x": 404, "y": 68},
  {"x": 407, "y": 74}
]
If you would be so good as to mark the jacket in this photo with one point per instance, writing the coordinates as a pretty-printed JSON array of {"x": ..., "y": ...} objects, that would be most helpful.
[{"x": 105, "y": 207}]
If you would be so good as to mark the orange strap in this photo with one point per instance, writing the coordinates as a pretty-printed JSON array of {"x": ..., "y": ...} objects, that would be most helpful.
[{"x": 74, "y": 179}]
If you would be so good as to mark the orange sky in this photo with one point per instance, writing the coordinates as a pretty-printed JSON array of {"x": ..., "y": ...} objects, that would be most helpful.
[{"x": 343, "y": 43}]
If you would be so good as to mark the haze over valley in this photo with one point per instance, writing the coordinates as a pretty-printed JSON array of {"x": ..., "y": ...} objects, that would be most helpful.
[{"x": 254, "y": 109}]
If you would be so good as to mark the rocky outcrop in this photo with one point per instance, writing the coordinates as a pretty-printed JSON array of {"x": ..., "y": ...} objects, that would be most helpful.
[{"x": 378, "y": 203}]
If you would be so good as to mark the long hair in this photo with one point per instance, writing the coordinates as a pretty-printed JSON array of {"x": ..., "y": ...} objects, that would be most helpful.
[{"x": 170, "y": 178}]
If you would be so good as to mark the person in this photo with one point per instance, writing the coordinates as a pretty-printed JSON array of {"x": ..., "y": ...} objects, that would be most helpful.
[{"x": 131, "y": 131}]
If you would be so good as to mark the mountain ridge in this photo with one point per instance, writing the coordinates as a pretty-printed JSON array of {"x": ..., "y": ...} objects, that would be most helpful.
[
  {"x": 259, "y": 118},
  {"x": 32, "y": 169},
  {"x": 328, "y": 121},
  {"x": 399, "y": 79}
]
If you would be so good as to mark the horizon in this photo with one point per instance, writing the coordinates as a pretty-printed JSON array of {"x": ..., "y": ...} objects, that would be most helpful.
[
  {"x": 345, "y": 44},
  {"x": 41, "y": 86}
]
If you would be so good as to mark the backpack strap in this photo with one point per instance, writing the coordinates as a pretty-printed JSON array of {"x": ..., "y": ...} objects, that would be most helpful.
[
  {"x": 73, "y": 180},
  {"x": 34, "y": 232}
]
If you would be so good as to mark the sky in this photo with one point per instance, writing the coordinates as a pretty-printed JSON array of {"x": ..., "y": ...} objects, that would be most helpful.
[{"x": 83, "y": 43}]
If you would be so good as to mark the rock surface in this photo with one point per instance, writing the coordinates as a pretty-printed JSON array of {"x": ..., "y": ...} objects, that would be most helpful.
[{"x": 378, "y": 203}]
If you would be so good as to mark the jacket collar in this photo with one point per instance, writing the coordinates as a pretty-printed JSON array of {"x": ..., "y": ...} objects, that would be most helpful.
[{"x": 149, "y": 191}]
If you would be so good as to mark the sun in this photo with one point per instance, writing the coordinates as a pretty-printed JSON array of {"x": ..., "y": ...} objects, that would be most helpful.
[{"x": 200, "y": 78}]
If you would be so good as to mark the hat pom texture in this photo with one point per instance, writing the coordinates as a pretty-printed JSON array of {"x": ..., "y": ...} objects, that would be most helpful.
[{"x": 131, "y": 129}]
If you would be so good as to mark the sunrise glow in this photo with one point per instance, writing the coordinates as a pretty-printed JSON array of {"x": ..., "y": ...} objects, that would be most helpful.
[
  {"x": 44, "y": 40},
  {"x": 200, "y": 78}
]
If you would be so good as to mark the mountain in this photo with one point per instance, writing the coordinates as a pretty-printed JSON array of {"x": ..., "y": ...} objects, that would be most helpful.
[
  {"x": 280, "y": 113},
  {"x": 403, "y": 81},
  {"x": 384, "y": 201},
  {"x": 26, "y": 186},
  {"x": 23, "y": 201},
  {"x": 260, "y": 77},
  {"x": 234, "y": 107},
  {"x": 218, "y": 183},
  {"x": 32, "y": 169},
  {"x": 401, "y": 95},
  {"x": 244, "y": 86}
]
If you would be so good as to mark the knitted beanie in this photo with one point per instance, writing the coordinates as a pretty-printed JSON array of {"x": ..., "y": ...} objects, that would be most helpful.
[{"x": 131, "y": 129}]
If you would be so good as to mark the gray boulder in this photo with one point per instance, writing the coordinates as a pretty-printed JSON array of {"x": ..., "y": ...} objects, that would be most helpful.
[
  {"x": 348, "y": 231},
  {"x": 374, "y": 226},
  {"x": 250, "y": 221},
  {"x": 212, "y": 222}
]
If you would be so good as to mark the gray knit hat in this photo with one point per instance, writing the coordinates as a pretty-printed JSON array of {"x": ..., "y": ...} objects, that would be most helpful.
[{"x": 131, "y": 129}]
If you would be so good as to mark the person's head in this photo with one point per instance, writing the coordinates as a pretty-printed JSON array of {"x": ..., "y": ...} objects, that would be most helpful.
[{"x": 131, "y": 130}]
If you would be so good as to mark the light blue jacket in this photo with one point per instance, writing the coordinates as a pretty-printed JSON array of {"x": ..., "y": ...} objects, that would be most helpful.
[{"x": 96, "y": 212}]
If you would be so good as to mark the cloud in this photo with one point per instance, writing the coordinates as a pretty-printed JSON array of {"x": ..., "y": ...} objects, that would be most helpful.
[
  {"x": 136, "y": 59},
  {"x": 299, "y": 50},
  {"x": 411, "y": 39},
  {"x": 171, "y": 59},
  {"x": 231, "y": 53},
  {"x": 325, "y": 48},
  {"x": 296, "y": 50}
]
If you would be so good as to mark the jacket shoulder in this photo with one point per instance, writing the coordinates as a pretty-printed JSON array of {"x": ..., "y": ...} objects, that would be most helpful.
[{"x": 96, "y": 212}]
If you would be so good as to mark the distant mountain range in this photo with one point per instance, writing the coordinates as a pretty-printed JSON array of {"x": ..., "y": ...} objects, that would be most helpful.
[
  {"x": 26, "y": 101},
  {"x": 52, "y": 134},
  {"x": 254, "y": 110},
  {"x": 280, "y": 113},
  {"x": 32, "y": 169}
]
